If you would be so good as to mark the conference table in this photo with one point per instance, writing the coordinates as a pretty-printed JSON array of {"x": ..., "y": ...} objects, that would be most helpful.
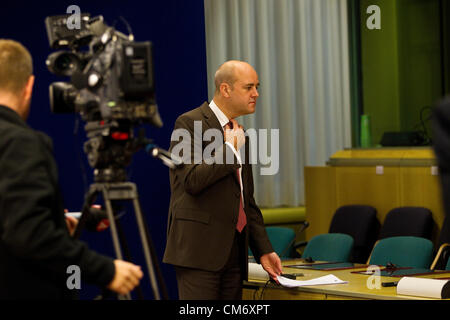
[{"x": 361, "y": 284}]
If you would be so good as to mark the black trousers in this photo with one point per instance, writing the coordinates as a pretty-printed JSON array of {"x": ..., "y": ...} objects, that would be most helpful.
[{"x": 225, "y": 284}]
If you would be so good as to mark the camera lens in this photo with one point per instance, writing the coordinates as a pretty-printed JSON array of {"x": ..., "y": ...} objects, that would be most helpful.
[
  {"x": 62, "y": 63},
  {"x": 65, "y": 62}
]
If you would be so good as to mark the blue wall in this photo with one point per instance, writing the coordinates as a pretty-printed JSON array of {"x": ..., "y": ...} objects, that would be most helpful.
[{"x": 176, "y": 28}]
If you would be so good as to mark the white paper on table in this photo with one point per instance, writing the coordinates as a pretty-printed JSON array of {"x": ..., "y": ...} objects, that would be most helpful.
[
  {"x": 328, "y": 279},
  {"x": 256, "y": 271},
  {"x": 422, "y": 287}
]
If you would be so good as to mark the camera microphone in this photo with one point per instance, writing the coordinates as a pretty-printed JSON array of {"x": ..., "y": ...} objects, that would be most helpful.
[{"x": 165, "y": 156}]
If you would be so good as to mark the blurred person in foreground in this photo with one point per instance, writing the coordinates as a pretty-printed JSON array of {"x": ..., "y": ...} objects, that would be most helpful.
[
  {"x": 36, "y": 247},
  {"x": 441, "y": 146}
]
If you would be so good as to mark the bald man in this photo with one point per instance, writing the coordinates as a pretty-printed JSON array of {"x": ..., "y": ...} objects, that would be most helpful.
[
  {"x": 36, "y": 249},
  {"x": 213, "y": 217}
]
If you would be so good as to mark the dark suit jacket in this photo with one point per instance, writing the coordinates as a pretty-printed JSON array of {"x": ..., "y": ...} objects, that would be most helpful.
[
  {"x": 204, "y": 205},
  {"x": 35, "y": 246},
  {"x": 441, "y": 145}
]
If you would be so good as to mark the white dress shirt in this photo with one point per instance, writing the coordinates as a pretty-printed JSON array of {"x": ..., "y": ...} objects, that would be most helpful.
[{"x": 223, "y": 120}]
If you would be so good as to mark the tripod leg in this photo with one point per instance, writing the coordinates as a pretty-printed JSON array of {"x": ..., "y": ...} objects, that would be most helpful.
[
  {"x": 127, "y": 253},
  {"x": 114, "y": 234},
  {"x": 163, "y": 288},
  {"x": 145, "y": 244}
]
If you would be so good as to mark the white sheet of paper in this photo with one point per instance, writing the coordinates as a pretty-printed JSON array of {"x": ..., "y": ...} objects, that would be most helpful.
[
  {"x": 430, "y": 288},
  {"x": 328, "y": 279},
  {"x": 73, "y": 214},
  {"x": 256, "y": 271}
]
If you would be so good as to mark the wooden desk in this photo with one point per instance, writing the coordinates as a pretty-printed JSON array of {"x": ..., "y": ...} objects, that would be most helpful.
[{"x": 355, "y": 289}]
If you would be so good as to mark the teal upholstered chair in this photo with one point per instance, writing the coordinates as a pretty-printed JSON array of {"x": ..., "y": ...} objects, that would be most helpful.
[
  {"x": 415, "y": 252},
  {"x": 336, "y": 247},
  {"x": 282, "y": 240}
]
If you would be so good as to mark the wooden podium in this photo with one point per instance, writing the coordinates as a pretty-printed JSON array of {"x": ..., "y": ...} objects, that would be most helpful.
[{"x": 384, "y": 178}]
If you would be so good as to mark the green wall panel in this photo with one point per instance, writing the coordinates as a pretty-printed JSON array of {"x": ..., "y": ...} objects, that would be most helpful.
[{"x": 401, "y": 64}]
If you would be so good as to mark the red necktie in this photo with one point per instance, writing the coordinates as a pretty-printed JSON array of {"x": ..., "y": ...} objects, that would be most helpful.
[{"x": 242, "y": 219}]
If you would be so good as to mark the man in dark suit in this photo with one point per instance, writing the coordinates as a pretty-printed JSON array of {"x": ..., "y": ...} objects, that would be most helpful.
[
  {"x": 36, "y": 249},
  {"x": 441, "y": 145},
  {"x": 213, "y": 217}
]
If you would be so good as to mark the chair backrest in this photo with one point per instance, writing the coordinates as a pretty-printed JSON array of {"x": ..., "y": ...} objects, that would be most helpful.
[
  {"x": 329, "y": 247},
  {"x": 412, "y": 252},
  {"x": 361, "y": 223},
  {"x": 407, "y": 221},
  {"x": 282, "y": 240}
]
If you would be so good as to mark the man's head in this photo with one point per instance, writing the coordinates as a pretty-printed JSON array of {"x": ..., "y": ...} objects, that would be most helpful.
[
  {"x": 236, "y": 88},
  {"x": 16, "y": 77}
]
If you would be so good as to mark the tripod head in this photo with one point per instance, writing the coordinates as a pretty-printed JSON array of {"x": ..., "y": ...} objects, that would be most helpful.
[{"x": 111, "y": 145}]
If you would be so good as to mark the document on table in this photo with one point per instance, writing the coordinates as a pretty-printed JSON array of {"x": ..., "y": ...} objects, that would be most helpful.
[{"x": 328, "y": 279}]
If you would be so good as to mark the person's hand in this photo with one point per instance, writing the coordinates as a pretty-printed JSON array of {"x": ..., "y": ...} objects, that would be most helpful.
[
  {"x": 272, "y": 264},
  {"x": 126, "y": 277},
  {"x": 234, "y": 134},
  {"x": 72, "y": 224}
]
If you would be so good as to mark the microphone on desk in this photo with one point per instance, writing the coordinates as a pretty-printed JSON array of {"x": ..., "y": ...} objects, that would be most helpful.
[
  {"x": 292, "y": 276},
  {"x": 389, "y": 284},
  {"x": 305, "y": 225}
]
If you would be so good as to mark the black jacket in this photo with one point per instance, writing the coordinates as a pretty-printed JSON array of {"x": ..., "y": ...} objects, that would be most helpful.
[
  {"x": 35, "y": 246},
  {"x": 441, "y": 146}
]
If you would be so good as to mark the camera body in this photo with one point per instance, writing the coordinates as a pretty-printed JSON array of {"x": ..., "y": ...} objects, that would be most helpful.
[
  {"x": 112, "y": 80},
  {"x": 111, "y": 86}
]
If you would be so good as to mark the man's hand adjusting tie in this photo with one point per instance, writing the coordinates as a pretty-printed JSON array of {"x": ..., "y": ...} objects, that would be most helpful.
[{"x": 234, "y": 134}]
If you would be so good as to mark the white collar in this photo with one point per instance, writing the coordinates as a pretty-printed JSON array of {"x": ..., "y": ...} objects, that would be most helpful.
[{"x": 223, "y": 119}]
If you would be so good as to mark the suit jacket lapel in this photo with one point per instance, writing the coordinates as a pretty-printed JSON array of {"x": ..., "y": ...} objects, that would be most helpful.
[
  {"x": 212, "y": 122},
  {"x": 210, "y": 118}
]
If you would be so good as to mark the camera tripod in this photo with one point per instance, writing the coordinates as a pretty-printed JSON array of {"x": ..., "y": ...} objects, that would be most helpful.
[{"x": 119, "y": 191}]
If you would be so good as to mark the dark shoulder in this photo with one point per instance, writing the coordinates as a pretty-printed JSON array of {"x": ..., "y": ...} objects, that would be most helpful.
[
  {"x": 21, "y": 141},
  {"x": 194, "y": 114},
  {"x": 443, "y": 107},
  {"x": 187, "y": 119},
  {"x": 10, "y": 132}
]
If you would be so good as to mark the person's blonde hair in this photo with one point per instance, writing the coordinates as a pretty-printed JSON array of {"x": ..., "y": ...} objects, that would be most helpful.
[{"x": 16, "y": 66}]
